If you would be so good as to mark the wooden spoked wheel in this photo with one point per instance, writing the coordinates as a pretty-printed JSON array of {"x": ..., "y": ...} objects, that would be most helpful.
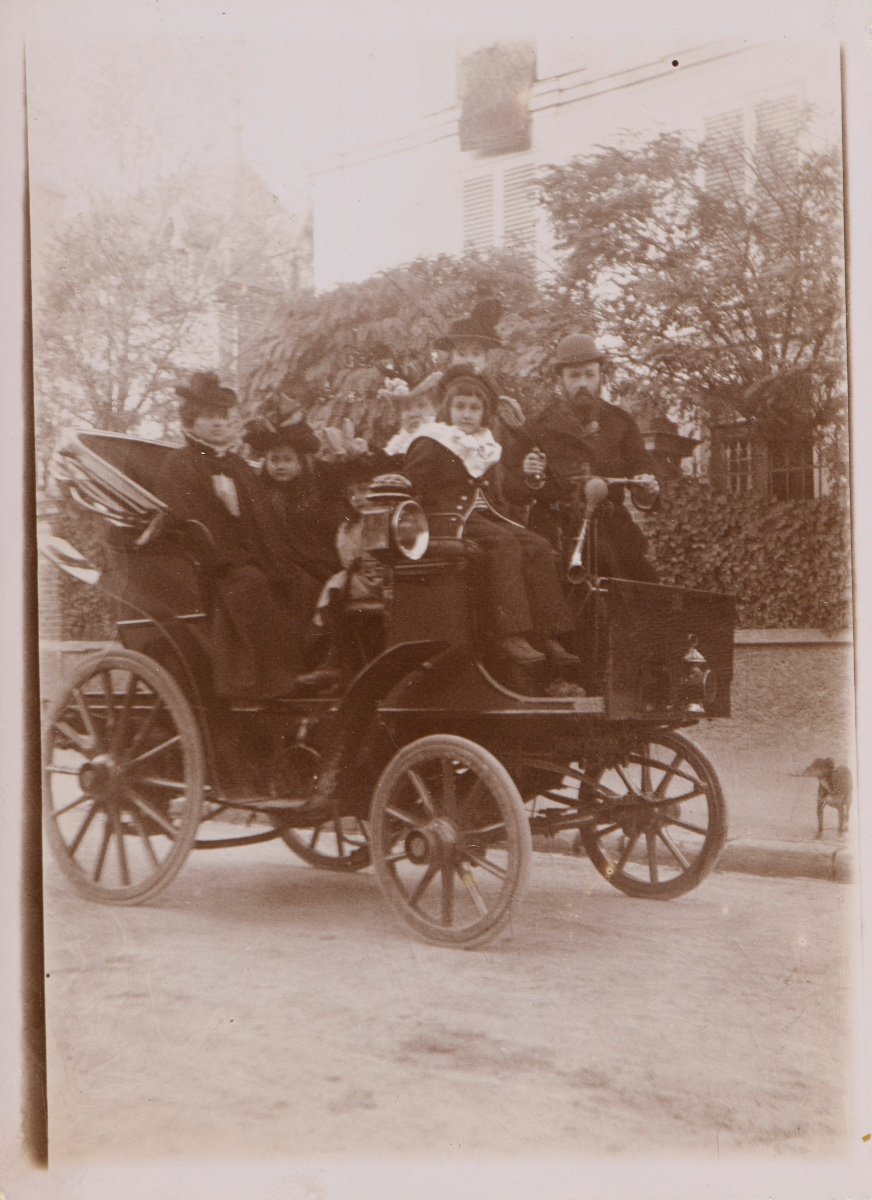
[
  {"x": 336, "y": 844},
  {"x": 340, "y": 844},
  {"x": 451, "y": 842},
  {"x": 663, "y": 822},
  {"x": 122, "y": 778}
]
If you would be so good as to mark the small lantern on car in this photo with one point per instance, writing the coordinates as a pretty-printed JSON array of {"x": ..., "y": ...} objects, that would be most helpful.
[
  {"x": 392, "y": 521},
  {"x": 699, "y": 685}
]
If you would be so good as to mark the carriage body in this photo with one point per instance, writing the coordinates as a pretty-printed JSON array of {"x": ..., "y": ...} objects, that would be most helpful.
[{"x": 423, "y": 727}]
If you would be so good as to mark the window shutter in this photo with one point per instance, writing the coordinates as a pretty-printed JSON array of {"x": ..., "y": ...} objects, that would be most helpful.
[
  {"x": 478, "y": 213},
  {"x": 724, "y": 152},
  {"x": 519, "y": 212},
  {"x": 777, "y": 133}
]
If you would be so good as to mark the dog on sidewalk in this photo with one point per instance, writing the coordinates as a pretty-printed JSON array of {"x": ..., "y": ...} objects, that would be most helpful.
[{"x": 835, "y": 786}]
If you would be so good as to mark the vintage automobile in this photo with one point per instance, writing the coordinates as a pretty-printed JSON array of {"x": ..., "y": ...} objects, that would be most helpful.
[{"x": 430, "y": 762}]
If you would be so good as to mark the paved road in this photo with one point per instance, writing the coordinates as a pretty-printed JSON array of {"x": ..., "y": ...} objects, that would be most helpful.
[{"x": 260, "y": 1007}]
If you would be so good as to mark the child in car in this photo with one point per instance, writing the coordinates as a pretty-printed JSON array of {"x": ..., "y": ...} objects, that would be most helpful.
[
  {"x": 454, "y": 469},
  {"x": 304, "y": 492}
]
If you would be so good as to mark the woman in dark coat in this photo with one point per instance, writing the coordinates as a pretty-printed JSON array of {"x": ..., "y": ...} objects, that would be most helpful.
[
  {"x": 454, "y": 470},
  {"x": 261, "y": 602}
]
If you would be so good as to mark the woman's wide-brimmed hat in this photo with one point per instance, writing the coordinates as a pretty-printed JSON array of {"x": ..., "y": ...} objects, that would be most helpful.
[
  {"x": 204, "y": 390},
  {"x": 479, "y": 326}
]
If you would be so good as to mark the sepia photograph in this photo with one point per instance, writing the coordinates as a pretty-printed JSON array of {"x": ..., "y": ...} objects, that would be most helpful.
[{"x": 441, "y": 731}]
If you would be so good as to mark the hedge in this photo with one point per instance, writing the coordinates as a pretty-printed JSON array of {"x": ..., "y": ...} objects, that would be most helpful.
[{"x": 788, "y": 563}]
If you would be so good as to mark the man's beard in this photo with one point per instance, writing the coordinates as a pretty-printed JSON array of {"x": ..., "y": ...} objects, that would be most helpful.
[{"x": 583, "y": 398}]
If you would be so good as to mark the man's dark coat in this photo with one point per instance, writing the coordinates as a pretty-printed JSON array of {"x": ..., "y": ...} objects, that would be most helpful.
[
  {"x": 597, "y": 438},
  {"x": 260, "y": 601}
]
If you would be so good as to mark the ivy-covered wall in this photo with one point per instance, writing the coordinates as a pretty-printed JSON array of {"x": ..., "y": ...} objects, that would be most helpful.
[
  {"x": 788, "y": 563},
  {"x": 86, "y": 612}
]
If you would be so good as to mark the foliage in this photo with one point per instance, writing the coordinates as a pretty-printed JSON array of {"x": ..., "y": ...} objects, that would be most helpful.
[
  {"x": 788, "y": 563},
  {"x": 334, "y": 344},
  {"x": 86, "y": 612},
  {"x": 720, "y": 301},
  {"x": 132, "y": 293}
]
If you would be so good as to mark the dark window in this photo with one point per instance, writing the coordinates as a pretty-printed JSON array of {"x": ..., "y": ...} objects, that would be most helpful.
[
  {"x": 737, "y": 463},
  {"x": 792, "y": 471}
]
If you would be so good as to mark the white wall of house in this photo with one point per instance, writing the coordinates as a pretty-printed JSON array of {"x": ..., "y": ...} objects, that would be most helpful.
[{"x": 386, "y": 202}]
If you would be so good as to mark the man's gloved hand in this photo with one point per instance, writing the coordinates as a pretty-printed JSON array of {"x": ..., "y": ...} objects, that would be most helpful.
[
  {"x": 645, "y": 491},
  {"x": 510, "y": 412},
  {"x": 341, "y": 444}
]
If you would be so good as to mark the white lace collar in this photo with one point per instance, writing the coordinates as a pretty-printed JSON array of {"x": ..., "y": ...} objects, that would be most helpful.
[{"x": 477, "y": 451}]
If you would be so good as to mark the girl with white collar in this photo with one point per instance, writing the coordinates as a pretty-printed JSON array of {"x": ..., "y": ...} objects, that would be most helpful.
[{"x": 454, "y": 470}]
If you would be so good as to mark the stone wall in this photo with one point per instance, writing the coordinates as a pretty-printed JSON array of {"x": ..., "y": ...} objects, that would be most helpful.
[{"x": 793, "y": 700}]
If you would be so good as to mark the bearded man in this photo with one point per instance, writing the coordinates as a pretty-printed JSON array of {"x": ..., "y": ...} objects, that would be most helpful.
[{"x": 580, "y": 434}]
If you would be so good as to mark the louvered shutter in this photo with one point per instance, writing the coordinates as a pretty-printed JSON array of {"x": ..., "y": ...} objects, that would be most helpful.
[
  {"x": 725, "y": 152},
  {"x": 777, "y": 134},
  {"x": 478, "y": 213},
  {"x": 519, "y": 213}
]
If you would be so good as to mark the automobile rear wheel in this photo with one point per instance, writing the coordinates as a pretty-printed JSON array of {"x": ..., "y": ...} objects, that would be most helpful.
[{"x": 123, "y": 778}]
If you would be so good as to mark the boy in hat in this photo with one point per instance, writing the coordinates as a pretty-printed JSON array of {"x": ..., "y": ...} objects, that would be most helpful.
[
  {"x": 579, "y": 434},
  {"x": 260, "y": 599},
  {"x": 470, "y": 342}
]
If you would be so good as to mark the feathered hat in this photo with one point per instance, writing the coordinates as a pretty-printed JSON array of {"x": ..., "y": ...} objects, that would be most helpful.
[
  {"x": 204, "y": 390},
  {"x": 262, "y": 435}
]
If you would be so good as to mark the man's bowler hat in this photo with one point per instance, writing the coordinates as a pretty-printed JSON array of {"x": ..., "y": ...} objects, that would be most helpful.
[{"x": 575, "y": 350}]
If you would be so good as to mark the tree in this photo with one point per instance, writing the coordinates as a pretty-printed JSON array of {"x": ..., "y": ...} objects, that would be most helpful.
[
  {"x": 335, "y": 344},
  {"x": 720, "y": 302},
  {"x": 137, "y": 290}
]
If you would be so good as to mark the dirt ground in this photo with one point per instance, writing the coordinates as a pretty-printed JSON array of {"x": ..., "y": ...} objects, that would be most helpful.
[{"x": 263, "y": 1009}]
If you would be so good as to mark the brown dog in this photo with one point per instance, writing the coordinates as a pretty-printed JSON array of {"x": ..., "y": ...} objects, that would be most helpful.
[{"x": 835, "y": 786}]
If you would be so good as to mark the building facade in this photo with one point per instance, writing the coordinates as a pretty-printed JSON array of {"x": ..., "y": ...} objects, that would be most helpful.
[{"x": 463, "y": 176}]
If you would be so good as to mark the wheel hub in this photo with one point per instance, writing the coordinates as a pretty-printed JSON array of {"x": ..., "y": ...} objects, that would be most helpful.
[
  {"x": 641, "y": 815},
  {"x": 433, "y": 843},
  {"x": 99, "y": 776}
]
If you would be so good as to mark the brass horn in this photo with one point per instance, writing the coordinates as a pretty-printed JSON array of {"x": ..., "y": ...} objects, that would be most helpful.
[{"x": 595, "y": 491}]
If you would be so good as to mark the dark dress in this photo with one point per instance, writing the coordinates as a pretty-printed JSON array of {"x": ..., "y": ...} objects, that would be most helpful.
[
  {"x": 604, "y": 440},
  {"x": 309, "y": 510},
  {"x": 260, "y": 601},
  {"x": 521, "y": 591}
]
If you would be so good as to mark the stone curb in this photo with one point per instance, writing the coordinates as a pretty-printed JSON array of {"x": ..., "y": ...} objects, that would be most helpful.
[
  {"x": 751, "y": 856},
  {"x": 788, "y": 859}
]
